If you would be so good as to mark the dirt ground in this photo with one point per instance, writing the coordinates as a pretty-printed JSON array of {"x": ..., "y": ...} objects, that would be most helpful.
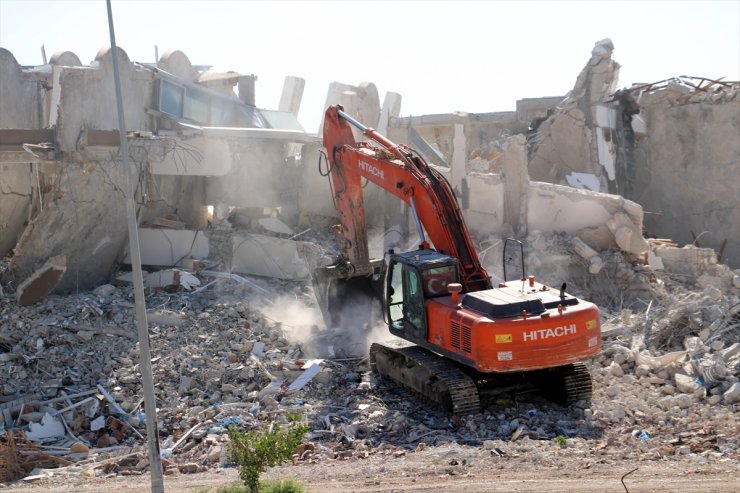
[{"x": 449, "y": 468}]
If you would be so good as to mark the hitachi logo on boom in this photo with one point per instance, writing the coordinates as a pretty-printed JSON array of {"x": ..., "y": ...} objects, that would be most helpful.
[
  {"x": 534, "y": 335},
  {"x": 373, "y": 170}
]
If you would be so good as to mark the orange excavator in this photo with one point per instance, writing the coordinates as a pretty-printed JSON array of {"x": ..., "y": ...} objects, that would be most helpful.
[{"x": 464, "y": 339}]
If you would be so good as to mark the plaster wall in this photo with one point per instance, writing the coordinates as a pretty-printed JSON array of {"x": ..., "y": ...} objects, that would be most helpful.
[
  {"x": 88, "y": 99},
  {"x": 15, "y": 202},
  {"x": 21, "y": 104},
  {"x": 21, "y": 107},
  {"x": 485, "y": 203},
  {"x": 689, "y": 170}
]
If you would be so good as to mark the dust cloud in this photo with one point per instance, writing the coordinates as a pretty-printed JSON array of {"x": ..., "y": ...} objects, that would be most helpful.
[{"x": 303, "y": 325}]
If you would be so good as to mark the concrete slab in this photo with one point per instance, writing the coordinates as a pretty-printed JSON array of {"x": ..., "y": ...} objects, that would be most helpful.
[
  {"x": 273, "y": 257},
  {"x": 169, "y": 247},
  {"x": 42, "y": 281}
]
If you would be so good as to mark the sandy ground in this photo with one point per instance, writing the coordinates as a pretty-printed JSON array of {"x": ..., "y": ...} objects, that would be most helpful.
[{"x": 448, "y": 468}]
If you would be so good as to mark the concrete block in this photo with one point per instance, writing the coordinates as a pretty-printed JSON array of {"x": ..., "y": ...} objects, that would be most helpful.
[
  {"x": 273, "y": 257},
  {"x": 627, "y": 235},
  {"x": 290, "y": 99},
  {"x": 654, "y": 261},
  {"x": 50, "y": 427},
  {"x": 687, "y": 260},
  {"x": 171, "y": 278},
  {"x": 169, "y": 246},
  {"x": 42, "y": 281},
  {"x": 582, "y": 249}
]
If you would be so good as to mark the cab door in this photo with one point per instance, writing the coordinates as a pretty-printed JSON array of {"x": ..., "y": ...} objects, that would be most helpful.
[{"x": 406, "y": 312}]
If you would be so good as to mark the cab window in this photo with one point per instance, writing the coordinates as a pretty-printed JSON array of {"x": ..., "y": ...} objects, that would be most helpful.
[{"x": 436, "y": 279}]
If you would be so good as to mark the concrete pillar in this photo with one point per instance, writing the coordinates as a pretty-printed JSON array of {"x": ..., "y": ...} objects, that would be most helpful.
[
  {"x": 290, "y": 100},
  {"x": 459, "y": 158},
  {"x": 391, "y": 108},
  {"x": 516, "y": 184},
  {"x": 246, "y": 88}
]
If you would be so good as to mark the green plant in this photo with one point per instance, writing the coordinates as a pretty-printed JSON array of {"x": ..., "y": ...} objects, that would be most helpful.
[
  {"x": 281, "y": 486},
  {"x": 254, "y": 451},
  {"x": 201, "y": 489},
  {"x": 239, "y": 488},
  {"x": 561, "y": 440},
  {"x": 267, "y": 486}
]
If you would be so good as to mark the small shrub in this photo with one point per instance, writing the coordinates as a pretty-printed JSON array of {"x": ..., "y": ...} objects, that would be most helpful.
[
  {"x": 561, "y": 440},
  {"x": 254, "y": 451}
]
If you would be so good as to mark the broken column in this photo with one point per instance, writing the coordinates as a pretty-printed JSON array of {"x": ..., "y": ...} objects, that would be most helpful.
[
  {"x": 575, "y": 140},
  {"x": 290, "y": 99}
]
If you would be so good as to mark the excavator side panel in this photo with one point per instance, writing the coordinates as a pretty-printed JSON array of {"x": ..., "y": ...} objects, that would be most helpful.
[{"x": 514, "y": 344}]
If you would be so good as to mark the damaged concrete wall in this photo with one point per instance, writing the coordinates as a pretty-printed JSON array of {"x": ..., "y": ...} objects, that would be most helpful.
[
  {"x": 688, "y": 167},
  {"x": 23, "y": 94},
  {"x": 88, "y": 98},
  {"x": 83, "y": 219},
  {"x": 577, "y": 137},
  {"x": 21, "y": 107},
  {"x": 16, "y": 188}
]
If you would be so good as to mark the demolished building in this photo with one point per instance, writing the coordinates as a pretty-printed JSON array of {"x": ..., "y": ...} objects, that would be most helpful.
[
  {"x": 229, "y": 191},
  {"x": 219, "y": 178}
]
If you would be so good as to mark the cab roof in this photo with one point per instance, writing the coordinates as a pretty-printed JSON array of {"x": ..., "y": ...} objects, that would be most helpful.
[{"x": 426, "y": 258}]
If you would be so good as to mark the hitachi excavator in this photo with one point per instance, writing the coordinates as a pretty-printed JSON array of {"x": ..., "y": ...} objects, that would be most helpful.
[{"x": 463, "y": 338}]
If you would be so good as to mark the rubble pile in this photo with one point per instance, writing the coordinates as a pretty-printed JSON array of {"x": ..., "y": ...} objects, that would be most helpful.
[{"x": 665, "y": 386}]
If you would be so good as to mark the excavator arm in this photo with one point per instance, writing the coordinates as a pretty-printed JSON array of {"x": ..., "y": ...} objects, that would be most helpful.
[{"x": 405, "y": 174}]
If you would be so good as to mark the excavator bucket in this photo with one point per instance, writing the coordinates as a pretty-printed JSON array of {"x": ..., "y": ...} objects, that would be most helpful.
[{"x": 354, "y": 303}]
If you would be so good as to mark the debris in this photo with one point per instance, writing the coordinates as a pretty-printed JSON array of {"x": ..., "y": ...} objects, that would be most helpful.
[
  {"x": 97, "y": 424},
  {"x": 171, "y": 278},
  {"x": 305, "y": 377},
  {"x": 50, "y": 427},
  {"x": 111, "y": 400},
  {"x": 732, "y": 395},
  {"x": 42, "y": 281},
  {"x": 275, "y": 225},
  {"x": 104, "y": 290}
]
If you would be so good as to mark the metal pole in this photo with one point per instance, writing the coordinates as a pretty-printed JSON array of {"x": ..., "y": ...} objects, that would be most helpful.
[{"x": 145, "y": 358}]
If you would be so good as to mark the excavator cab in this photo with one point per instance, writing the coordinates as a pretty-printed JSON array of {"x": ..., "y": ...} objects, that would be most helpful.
[{"x": 412, "y": 278}]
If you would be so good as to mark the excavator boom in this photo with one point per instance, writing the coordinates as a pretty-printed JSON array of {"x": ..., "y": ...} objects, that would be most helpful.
[{"x": 401, "y": 172}]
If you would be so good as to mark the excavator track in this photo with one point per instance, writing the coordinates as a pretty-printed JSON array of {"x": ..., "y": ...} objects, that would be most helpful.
[
  {"x": 577, "y": 383},
  {"x": 431, "y": 377},
  {"x": 440, "y": 382},
  {"x": 566, "y": 384}
]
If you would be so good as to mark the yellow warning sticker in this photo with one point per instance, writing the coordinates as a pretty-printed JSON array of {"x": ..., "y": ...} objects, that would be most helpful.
[
  {"x": 591, "y": 324},
  {"x": 501, "y": 338}
]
